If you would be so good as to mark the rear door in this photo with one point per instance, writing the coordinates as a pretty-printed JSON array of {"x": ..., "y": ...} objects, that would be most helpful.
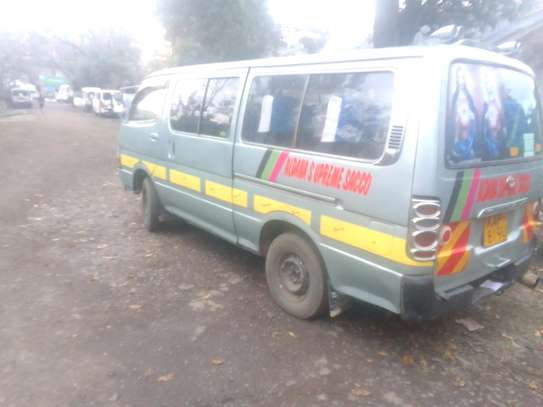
[{"x": 491, "y": 177}]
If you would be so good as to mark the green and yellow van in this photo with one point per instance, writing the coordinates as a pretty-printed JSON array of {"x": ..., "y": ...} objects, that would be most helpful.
[{"x": 407, "y": 178}]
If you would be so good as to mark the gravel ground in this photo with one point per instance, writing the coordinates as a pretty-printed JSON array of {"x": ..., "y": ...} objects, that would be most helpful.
[{"x": 95, "y": 311}]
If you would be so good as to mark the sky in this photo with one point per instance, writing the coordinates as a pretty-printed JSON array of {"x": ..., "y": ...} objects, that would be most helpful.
[{"x": 348, "y": 22}]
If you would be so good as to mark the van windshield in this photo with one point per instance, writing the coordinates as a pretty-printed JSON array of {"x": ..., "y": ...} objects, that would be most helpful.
[{"x": 493, "y": 115}]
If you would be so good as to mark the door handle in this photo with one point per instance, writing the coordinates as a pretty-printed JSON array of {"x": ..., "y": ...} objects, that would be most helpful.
[
  {"x": 153, "y": 136},
  {"x": 171, "y": 150}
]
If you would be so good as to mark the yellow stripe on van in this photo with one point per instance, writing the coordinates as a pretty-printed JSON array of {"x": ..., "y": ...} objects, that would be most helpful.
[
  {"x": 157, "y": 171},
  {"x": 226, "y": 194},
  {"x": 185, "y": 180},
  {"x": 239, "y": 198},
  {"x": 372, "y": 241},
  {"x": 266, "y": 205},
  {"x": 128, "y": 161}
]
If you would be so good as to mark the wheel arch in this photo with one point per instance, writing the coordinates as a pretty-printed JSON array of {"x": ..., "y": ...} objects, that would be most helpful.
[
  {"x": 137, "y": 179},
  {"x": 277, "y": 226}
]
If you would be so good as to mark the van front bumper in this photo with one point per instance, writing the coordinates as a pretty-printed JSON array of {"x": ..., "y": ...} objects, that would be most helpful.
[{"x": 421, "y": 302}]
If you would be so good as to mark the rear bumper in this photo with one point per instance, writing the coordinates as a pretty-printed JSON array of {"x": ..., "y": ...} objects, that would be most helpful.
[{"x": 421, "y": 302}]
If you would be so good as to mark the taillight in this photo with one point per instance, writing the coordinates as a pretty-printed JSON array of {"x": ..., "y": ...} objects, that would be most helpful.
[{"x": 424, "y": 228}]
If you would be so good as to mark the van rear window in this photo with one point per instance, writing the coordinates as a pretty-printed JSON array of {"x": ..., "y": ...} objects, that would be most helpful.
[{"x": 493, "y": 115}]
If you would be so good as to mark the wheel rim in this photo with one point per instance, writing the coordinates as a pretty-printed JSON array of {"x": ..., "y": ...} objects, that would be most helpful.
[{"x": 293, "y": 275}]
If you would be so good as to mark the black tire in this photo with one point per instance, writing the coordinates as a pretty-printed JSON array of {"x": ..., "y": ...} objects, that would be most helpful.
[
  {"x": 151, "y": 206},
  {"x": 296, "y": 277}
]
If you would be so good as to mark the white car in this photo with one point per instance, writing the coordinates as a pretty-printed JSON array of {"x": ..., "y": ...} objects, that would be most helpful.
[
  {"x": 108, "y": 102},
  {"x": 64, "y": 94},
  {"x": 20, "y": 98},
  {"x": 88, "y": 94}
]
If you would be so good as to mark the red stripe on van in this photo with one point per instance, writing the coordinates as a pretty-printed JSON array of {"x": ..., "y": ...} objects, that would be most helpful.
[
  {"x": 460, "y": 250},
  {"x": 278, "y": 165},
  {"x": 472, "y": 194}
]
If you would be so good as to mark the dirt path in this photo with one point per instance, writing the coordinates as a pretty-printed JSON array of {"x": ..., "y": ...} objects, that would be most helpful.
[{"x": 97, "y": 312}]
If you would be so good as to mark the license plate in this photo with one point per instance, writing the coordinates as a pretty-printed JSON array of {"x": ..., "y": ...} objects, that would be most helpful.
[{"x": 495, "y": 230}]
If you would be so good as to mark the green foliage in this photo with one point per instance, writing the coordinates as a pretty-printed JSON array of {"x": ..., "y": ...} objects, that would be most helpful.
[
  {"x": 218, "y": 30},
  {"x": 397, "y": 21}
]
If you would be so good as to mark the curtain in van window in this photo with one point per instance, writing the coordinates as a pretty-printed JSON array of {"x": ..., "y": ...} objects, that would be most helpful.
[
  {"x": 273, "y": 109},
  {"x": 347, "y": 114}
]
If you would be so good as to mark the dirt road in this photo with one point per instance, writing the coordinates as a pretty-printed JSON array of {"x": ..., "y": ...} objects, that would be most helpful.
[{"x": 95, "y": 311}]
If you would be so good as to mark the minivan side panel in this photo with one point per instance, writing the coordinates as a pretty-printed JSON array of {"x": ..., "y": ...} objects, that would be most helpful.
[{"x": 361, "y": 235}]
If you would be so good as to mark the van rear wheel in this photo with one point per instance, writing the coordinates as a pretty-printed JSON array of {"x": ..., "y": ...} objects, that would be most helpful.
[
  {"x": 150, "y": 205},
  {"x": 296, "y": 276}
]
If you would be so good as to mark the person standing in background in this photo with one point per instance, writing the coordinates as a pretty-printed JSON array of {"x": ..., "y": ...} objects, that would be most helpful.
[{"x": 41, "y": 98}]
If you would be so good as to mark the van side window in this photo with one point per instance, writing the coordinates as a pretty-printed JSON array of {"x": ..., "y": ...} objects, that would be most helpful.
[
  {"x": 219, "y": 104},
  {"x": 347, "y": 114},
  {"x": 147, "y": 104},
  {"x": 273, "y": 109},
  {"x": 186, "y": 105}
]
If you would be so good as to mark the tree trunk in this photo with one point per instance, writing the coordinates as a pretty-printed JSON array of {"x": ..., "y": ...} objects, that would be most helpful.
[{"x": 385, "y": 27}]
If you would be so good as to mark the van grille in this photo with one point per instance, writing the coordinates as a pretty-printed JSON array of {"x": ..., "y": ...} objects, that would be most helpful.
[{"x": 396, "y": 138}]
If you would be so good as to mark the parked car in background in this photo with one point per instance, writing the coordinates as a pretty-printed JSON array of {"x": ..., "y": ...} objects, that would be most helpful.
[
  {"x": 108, "y": 102},
  {"x": 128, "y": 93},
  {"x": 78, "y": 100},
  {"x": 20, "y": 98},
  {"x": 64, "y": 94},
  {"x": 88, "y": 94}
]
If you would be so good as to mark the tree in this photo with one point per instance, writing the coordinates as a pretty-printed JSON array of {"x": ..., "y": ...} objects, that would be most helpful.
[
  {"x": 397, "y": 21},
  {"x": 107, "y": 59},
  {"x": 219, "y": 30},
  {"x": 314, "y": 43}
]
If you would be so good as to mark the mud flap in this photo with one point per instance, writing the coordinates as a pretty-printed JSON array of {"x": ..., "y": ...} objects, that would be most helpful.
[{"x": 337, "y": 303}]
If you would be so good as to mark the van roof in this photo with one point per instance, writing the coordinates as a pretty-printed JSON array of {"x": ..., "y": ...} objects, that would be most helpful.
[{"x": 448, "y": 52}]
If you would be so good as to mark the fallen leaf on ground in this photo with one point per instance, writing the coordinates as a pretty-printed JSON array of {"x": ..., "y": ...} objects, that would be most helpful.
[
  {"x": 359, "y": 392},
  {"x": 459, "y": 382},
  {"x": 450, "y": 352},
  {"x": 166, "y": 377},
  {"x": 513, "y": 342},
  {"x": 292, "y": 334},
  {"x": 381, "y": 353},
  {"x": 408, "y": 360},
  {"x": 135, "y": 307},
  {"x": 217, "y": 361},
  {"x": 532, "y": 386},
  {"x": 470, "y": 324}
]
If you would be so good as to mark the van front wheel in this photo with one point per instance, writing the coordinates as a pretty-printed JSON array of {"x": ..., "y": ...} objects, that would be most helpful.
[
  {"x": 151, "y": 206},
  {"x": 296, "y": 276}
]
